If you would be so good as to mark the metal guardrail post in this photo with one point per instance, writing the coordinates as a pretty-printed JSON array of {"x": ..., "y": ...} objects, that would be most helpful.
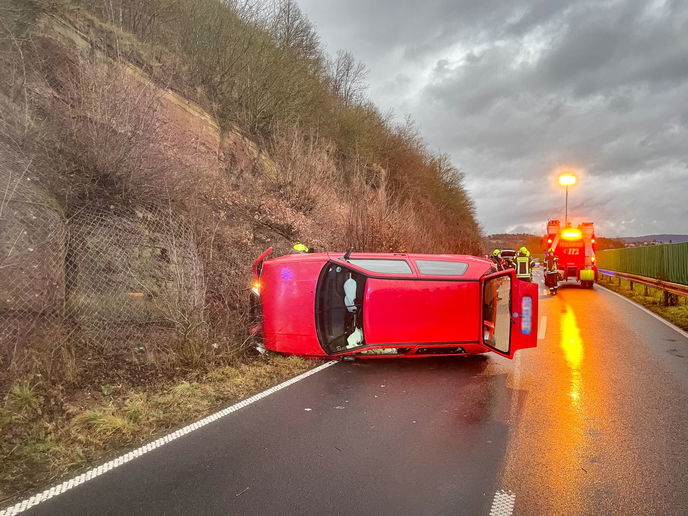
[{"x": 671, "y": 290}]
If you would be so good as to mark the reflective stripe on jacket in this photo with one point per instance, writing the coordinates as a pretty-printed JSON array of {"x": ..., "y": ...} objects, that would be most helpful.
[{"x": 522, "y": 267}]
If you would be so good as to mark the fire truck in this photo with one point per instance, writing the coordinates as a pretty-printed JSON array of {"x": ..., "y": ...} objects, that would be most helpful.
[{"x": 574, "y": 248}]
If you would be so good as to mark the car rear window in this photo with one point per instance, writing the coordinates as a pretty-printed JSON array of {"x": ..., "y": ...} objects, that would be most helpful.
[
  {"x": 383, "y": 266},
  {"x": 441, "y": 268}
]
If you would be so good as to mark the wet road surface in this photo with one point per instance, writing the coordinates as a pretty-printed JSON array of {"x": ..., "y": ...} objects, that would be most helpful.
[{"x": 593, "y": 421}]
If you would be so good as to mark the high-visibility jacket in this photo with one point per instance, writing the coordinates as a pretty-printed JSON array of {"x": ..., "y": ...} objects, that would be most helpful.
[
  {"x": 551, "y": 263},
  {"x": 523, "y": 267}
]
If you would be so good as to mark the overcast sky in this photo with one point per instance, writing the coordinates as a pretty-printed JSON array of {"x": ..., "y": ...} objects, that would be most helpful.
[{"x": 512, "y": 89}]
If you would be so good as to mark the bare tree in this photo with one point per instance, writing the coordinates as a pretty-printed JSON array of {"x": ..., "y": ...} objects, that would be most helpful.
[
  {"x": 348, "y": 77},
  {"x": 294, "y": 31}
]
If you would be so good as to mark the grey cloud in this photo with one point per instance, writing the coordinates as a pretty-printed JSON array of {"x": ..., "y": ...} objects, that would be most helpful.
[{"x": 511, "y": 90}]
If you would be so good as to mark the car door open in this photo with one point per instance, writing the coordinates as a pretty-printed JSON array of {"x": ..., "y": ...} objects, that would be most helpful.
[{"x": 509, "y": 313}]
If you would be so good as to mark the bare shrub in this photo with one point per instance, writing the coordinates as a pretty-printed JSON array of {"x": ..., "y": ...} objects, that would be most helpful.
[
  {"x": 107, "y": 127},
  {"x": 306, "y": 173}
]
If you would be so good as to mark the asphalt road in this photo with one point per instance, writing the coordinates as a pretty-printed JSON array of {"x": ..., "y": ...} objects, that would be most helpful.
[{"x": 593, "y": 421}]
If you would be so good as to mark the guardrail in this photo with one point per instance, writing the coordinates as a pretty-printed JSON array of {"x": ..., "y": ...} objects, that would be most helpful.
[{"x": 666, "y": 286}]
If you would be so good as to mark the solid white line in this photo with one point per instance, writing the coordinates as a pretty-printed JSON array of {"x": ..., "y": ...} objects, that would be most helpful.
[
  {"x": 138, "y": 452},
  {"x": 542, "y": 328},
  {"x": 503, "y": 503},
  {"x": 649, "y": 312}
]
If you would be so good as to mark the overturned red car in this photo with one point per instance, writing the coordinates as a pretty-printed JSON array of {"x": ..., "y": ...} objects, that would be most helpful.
[{"x": 379, "y": 305}]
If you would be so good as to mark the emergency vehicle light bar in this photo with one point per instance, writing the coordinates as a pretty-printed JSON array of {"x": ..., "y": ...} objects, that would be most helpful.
[{"x": 571, "y": 234}]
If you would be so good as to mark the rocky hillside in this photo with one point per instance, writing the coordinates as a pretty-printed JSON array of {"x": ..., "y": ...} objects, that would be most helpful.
[{"x": 150, "y": 150}]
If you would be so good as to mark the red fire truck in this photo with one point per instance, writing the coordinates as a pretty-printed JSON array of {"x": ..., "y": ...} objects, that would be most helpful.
[{"x": 574, "y": 248}]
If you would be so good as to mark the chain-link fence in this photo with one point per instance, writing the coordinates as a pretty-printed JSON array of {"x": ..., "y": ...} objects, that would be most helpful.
[
  {"x": 105, "y": 279},
  {"x": 33, "y": 240}
]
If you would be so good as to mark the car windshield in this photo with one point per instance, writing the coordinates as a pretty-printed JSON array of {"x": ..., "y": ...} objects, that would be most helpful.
[{"x": 339, "y": 308}]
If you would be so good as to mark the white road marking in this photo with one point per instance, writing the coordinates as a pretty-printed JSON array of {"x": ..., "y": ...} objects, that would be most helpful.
[
  {"x": 503, "y": 503},
  {"x": 542, "y": 327},
  {"x": 138, "y": 452},
  {"x": 649, "y": 312}
]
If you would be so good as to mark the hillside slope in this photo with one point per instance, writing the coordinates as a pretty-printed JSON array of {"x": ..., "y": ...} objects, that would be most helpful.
[{"x": 149, "y": 151}]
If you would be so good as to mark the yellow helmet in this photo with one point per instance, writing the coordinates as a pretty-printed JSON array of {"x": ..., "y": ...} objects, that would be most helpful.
[
  {"x": 300, "y": 247},
  {"x": 496, "y": 252},
  {"x": 523, "y": 250}
]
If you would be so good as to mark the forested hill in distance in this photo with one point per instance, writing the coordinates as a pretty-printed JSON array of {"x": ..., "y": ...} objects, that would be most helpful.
[
  {"x": 534, "y": 242},
  {"x": 662, "y": 239}
]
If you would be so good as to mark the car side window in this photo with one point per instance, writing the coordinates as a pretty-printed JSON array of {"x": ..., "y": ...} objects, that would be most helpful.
[
  {"x": 441, "y": 267},
  {"x": 383, "y": 266}
]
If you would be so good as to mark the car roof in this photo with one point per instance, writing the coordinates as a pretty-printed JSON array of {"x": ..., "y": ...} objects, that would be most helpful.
[{"x": 477, "y": 266}]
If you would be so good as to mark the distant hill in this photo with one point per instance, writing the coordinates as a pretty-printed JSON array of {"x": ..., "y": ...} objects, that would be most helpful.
[
  {"x": 664, "y": 239},
  {"x": 534, "y": 242},
  {"x": 513, "y": 241}
]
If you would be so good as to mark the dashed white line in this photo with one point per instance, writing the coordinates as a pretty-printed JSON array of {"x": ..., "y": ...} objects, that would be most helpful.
[
  {"x": 542, "y": 327},
  {"x": 127, "y": 457},
  {"x": 503, "y": 503}
]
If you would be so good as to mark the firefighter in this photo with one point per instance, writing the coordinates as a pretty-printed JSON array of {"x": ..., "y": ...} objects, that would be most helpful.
[
  {"x": 552, "y": 276},
  {"x": 550, "y": 260},
  {"x": 497, "y": 259},
  {"x": 524, "y": 265}
]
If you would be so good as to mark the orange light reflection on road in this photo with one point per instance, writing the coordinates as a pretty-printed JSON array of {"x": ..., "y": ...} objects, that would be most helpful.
[{"x": 572, "y": 345}]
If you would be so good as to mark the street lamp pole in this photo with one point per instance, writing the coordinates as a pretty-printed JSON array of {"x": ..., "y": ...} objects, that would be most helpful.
[{"x": 567, "y": 180}]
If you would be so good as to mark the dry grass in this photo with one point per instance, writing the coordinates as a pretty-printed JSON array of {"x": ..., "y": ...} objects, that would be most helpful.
[
  {"x": 46, "y": 438},
  {"x": 654, "y": 301}
]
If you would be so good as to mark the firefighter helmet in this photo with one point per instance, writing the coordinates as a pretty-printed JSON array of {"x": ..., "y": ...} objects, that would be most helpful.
[
  {"x": 301, "y": 248},
  {"x": 496, "y": 252}
]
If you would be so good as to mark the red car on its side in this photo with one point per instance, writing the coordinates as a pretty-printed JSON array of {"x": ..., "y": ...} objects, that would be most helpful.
[{"x": 375, "y": 305}]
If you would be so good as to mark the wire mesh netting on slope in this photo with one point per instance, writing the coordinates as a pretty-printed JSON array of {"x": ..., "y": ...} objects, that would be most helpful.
[{"x": 107, "y": 280}]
